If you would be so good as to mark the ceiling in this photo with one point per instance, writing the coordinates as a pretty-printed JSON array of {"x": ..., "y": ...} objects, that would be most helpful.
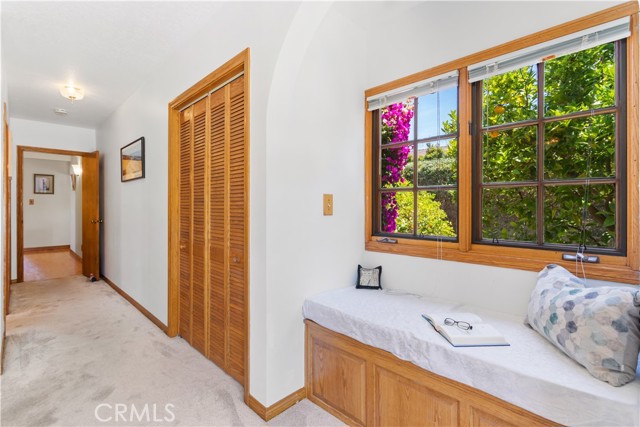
[{"x": 107, "y": 48}]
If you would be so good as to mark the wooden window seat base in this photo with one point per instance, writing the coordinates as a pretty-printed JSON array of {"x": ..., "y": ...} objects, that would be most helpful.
[{"x": 366, "y": 386}]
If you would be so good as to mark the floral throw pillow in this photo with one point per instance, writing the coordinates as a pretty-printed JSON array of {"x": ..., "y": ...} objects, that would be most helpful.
[{"x": 597, "y": 327}]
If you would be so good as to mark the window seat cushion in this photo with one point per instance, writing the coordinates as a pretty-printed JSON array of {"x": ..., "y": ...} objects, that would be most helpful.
[{"x": 530, "y": 373}]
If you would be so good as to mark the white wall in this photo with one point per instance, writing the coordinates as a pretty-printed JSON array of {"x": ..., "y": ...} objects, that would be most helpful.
[
  {"x": 135, "y": 213},
  {"x": 4, "y": 95},
  {"x": 310, "y": 65},
  {"x": 46, "y": 135},
  {"x": 48, "y": 221}
]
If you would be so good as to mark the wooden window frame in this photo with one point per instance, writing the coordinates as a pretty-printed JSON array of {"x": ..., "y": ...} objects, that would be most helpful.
[{"x": 625, "y": 269}]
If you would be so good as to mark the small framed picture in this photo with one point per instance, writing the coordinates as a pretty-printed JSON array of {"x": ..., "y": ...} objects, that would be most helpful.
[
  {"x": 132, "y": 160},
  {"x": 42, "y": 184}
]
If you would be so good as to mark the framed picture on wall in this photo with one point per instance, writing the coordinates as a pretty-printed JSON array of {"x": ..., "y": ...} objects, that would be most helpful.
[
  {"x": 132, "y": 160},
  {"x": 42, "y": 184}
]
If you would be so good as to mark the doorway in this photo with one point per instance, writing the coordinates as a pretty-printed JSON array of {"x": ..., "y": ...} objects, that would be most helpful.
[{"x": 44, "y": 185}]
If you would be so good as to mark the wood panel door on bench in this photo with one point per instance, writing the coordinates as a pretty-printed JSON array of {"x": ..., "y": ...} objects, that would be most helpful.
[{"x": 212, "y": 226}]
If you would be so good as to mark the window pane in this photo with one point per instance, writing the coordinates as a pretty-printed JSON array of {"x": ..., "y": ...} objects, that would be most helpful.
[
  {"x": 429, "y": 124},
  {"x": 580, "y": 81},
  {"x": 396, "y": 212},
  {"x": 509, "y": 214},
  {"x": 509, "y": 155},
  {"x": 438, "y": 213},
  {"x": 580, "y": 148},
  {"x": 438, "y": 162},
  {"x": 510, "y": 97},
  {"x": 396, "y": 122},
  {"x": 564, "y": 210},
  {"x": 396, "y": 167}
]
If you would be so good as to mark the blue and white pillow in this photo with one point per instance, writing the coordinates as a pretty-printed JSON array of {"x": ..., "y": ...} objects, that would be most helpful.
[{"x": 597, "y": 327}]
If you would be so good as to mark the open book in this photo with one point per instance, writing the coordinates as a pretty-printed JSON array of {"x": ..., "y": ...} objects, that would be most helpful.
[{"x": 480, "y": 334}]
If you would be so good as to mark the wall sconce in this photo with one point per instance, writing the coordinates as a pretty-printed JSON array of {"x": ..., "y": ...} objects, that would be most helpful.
[
  {"x": 72, "y": 93},
  {"x": 76, "y": 171}
]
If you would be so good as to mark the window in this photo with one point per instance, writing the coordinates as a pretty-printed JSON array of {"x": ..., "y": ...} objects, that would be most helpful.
[
  {"x": 416, "y": 177},
  {"x": 515, "y": 160},
  {"x": 547, "y": 143}
]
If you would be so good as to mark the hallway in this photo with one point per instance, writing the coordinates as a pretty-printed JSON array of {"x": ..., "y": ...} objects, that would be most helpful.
[
  {"x": 77, "y": 351},
  {"x": 45, "y": 265}
]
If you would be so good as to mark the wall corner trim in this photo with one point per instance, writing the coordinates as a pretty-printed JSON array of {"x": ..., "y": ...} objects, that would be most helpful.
[
  {"x": 136, "y": 304},
  {"x": 267, "y": 413}
]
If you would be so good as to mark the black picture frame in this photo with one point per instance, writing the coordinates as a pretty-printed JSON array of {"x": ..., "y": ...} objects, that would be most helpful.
[
  {"x": 43, "y": 184},
  {"x": 132, "y": 160}
]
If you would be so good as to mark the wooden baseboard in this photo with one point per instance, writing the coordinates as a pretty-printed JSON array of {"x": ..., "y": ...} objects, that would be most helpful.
[
  {"x": 4, "y": 347},
  {"x": 75, "y": 255},
  {"x": 136, "y": 304},
  {"x": 267, "y": 413},
  {"x": 47, "y": 249},
  {"x": 14, "y": 281}
]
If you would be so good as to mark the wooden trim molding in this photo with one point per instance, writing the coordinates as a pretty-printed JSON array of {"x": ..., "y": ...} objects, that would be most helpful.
[
  {"x": 267, "y": 413},
  {"x": 6, "y": 241},
  {"x": 4, "y": 348},
  {"x": 135, "y": 303},
  {"x": 47, "y": 249},
  {"x": 75, "y": 255},
  {"x": 625, "y": 269}
]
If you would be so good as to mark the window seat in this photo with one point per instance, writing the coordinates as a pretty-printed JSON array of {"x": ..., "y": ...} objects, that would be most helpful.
[{"x": 530, "y": 373}]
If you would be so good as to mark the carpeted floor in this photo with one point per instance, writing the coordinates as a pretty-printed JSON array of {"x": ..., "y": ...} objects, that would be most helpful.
[{"x": 78, "y": 354}]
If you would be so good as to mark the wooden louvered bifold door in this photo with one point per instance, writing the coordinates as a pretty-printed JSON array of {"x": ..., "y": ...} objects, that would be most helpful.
[
  {"x": 237, "y": 224},
  {"x": 213, "y": 227}
]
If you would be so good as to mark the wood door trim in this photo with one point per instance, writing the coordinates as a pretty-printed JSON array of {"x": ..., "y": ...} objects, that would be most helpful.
[
  {"x": 21, "y": 149},
  {"x": 238, "y": 64},
  {"x": 6, "y": 262}
]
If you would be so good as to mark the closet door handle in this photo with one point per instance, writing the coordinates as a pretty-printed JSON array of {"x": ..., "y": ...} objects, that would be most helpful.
[
  {"x": 183, "y": 246},
  {"x": 236, "y": 259}
]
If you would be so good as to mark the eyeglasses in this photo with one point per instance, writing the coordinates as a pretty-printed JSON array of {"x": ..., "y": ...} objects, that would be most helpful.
[{"x": 462, "y": 325}]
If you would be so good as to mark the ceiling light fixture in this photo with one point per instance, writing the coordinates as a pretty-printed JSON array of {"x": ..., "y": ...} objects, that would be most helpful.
[{"x": 71, "y": 92}]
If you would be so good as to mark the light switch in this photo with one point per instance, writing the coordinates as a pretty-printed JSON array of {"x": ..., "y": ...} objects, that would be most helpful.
[
  {"x": 32, "y": 202},
  {"x": 327, "y": 204}
]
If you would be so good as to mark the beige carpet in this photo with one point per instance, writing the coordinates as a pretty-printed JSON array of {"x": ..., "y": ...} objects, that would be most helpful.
[{"x": 78, "y": 354}]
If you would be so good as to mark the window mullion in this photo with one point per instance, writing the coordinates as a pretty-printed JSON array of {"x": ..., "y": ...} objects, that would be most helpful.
[
  {"x": 416, "y": 106},
  {"x": 540, "y": 157}
]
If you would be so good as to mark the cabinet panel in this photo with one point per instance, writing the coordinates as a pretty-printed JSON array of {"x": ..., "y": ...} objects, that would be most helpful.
[
  {"x": 339, "y": 379},
  {"x": 400, "y": 401}
]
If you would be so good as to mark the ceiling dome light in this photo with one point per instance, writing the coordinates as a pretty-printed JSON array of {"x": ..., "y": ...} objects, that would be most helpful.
[{"x": 72, "y": 93}]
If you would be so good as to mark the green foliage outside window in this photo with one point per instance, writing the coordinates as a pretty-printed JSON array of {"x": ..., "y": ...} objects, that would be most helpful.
[{"x": 574, "y": 148}]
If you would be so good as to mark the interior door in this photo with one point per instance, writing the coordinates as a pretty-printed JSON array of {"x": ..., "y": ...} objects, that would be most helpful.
[{"x": 91, "y": 214}]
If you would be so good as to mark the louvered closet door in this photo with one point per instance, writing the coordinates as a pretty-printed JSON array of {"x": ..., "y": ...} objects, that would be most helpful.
[
  {"x": 193, "y": 152},
  {"x": 217, "y": 246},
  {"x": 199, "y": 231},
  {"x": 237, "y": 223},
  {"x": 213, "y": 227},
  {"x": 186, "y": 142}
]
